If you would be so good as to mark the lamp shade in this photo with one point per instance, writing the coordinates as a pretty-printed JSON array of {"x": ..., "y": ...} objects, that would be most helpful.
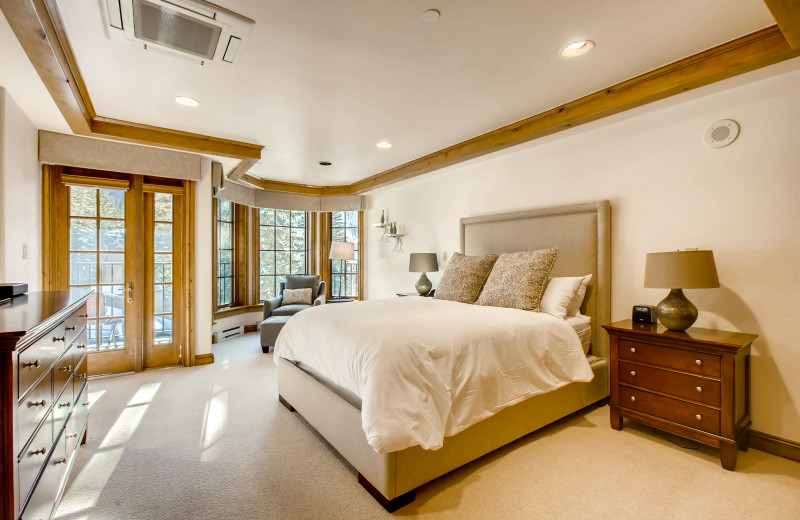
[
  {"x": 681, "y": 270},
  {"x": 342, "y": 251},
  {"x": 423, "y": 263}
]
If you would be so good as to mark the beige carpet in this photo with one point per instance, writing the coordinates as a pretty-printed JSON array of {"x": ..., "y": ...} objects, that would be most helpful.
[{"x": 213, "y": 442}]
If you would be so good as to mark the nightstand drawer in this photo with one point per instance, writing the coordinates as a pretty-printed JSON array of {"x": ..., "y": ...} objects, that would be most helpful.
[
  {"x": 675, "y": 410},
  {"x": 679, "y": 359},
  {"x": 682, "y": 385}
]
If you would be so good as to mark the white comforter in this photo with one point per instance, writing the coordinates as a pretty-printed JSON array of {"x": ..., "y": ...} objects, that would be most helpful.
[{"x": 426, "y": 368}]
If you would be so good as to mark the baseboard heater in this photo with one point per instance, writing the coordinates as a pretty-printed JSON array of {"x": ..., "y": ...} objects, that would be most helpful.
[{"x": 229, "y": 333}]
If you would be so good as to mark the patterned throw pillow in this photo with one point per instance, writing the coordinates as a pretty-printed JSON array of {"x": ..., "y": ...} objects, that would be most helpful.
[
  {"x": 517, "y": 280},
  {"x": 464, "y": 277},
  {"x": 296, "y": 296}
]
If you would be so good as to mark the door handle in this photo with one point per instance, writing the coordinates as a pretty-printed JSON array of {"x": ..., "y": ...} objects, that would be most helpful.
[{"x": 129, "y": 290}]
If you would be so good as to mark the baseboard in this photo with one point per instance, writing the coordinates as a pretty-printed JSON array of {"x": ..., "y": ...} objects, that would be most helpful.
[
  {"x": 775, "y": 445},
  {"x": 203, "y": 359},
  {"x": 250, "y": 328}
]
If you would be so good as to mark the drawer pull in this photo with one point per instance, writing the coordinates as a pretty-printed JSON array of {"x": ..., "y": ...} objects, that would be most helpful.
[
  {"x": 60, "y": 461},
  {"x": 698, "y": 417},
  {"x": 69, "y": 328},
  {"x": 633, "y": 398},
  {"x": 633, "y": 372},
  {"x": 699, "y": 388},
  {"x": 633, "y": 349},
  {"x": 81, "y": 376},
  {"x": 72, "y": 435},
  {"x": 67, "y": 368},
  {"x": 83, "y": 315},
  {"x": 37, "y": 403},
  {"x": 62, "y": 338},
  {"x": 80, "y": 346},
  {"x": 62, "y": 405},
  {"x": 39, "y": 452},
  {"x": 698, "y": 362},
  {"x": 34, "y": 364}
]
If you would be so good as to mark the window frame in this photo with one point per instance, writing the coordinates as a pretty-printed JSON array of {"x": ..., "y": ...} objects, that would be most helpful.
[
  {"x": 239, "y": 241},
  {"x": 256, "y": 242},
  {"x": 327, "y": 231}
]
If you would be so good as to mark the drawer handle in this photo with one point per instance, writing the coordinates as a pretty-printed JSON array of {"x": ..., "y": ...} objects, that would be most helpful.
[
  {"x": 62, "y": 338},
  {"x": 34, "y": 364},
  {"x": 698, "y": 362},
  {"x": 699, "y": 388},
  {"x": 698, "y": 417},
  {"x": 38, "y": 403},
  {"x": 72, "y": 435},
  {"x": 62, "y": 405},
  {"x": 67, "y": 368},
  {"x": 80, "y": 346},
  {"x": 81, "y": 376},
  {"x": 39, "y": 452},
  {"x": 633, "y": 398},
  {"x": 61, "y": 461},
  {"x": 633, "y": 349},
  {"x": 633, "y": 372},
  {"x": 83, "y": 315},
  {"x": 69, "y": 328}
]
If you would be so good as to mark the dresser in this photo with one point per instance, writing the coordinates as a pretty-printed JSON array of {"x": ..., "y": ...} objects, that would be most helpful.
[
  {"x": 695, "y": 384},
  {"x": 44, "y": 407}
]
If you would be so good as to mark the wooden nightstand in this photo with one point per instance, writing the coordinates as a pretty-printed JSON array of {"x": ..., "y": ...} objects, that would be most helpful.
[{"x": 695, "y": 384}]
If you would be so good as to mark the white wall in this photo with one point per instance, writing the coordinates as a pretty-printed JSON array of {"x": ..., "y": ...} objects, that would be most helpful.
[
  {"x": 203, "y": 312},
  {"x": 668, "y": 190},
  {"x": 20, "y": 197}
]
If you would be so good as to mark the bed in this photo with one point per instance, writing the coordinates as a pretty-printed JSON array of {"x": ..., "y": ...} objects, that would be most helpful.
[{"x": 582, "y": 234}]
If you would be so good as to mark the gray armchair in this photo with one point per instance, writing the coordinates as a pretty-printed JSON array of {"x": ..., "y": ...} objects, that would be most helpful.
[{"x": 273, "y": 307}]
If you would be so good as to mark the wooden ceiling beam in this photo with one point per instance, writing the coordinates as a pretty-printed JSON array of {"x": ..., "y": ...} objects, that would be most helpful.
[
  {"x": 787, "y": 15},
  {"x": 756, "y": 50}
]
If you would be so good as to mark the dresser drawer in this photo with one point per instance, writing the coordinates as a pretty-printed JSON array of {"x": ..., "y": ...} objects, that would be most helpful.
[
  {"x": 44, "y": 495},
  {"x": 33, "y": 409},
  {"x": 679, "y": 359},
  {"x": 75, "y": 323},
  {"x": 31, "y": 461},
  {"x": 62, "y": 407},
  {"x": 80, "y": 377},
  {"x": 682, "y": 385},
  {"x": 675, "y": 410},
  {"x": 77, "y": 421},
  {"x": 62, "y": 372},
  {"x": 79, "y": 348},
  {"x": 37, "y": 359}
]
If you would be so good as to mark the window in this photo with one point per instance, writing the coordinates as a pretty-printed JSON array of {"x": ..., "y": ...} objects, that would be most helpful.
[
  {"x": 345, "y": 274},
  {"x": 225, "y": 252},
  {"x": 282, "y": 248}
]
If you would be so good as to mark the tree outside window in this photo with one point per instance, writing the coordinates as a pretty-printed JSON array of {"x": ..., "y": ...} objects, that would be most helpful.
[
  {"x": 283, "y": 248},
  {"x": 345, "y": 273},
  {"x": 225, "y": 253}
]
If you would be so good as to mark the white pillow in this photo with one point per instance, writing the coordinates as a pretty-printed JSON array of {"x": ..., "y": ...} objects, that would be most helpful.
[
  {"x": 558, "y": 295},
  {"x": 296, "y": 296},
  {"x": 574, "y": 307}
]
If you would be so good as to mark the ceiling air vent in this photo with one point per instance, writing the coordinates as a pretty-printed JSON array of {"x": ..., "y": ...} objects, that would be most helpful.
[{"x": 202, "y": 32}]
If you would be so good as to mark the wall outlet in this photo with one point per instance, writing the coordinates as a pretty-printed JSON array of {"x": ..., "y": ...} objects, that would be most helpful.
[{"x": 24, "y": 251}]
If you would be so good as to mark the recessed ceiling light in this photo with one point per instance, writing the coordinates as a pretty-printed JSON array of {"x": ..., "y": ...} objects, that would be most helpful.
[
  {"x": 573, "y": 50},
  {"x": 187, "y": 101},
  {"x": 384, "y": 144},
  {"x": 325, "y": 163},
  {"x": 431, "y": 15}
]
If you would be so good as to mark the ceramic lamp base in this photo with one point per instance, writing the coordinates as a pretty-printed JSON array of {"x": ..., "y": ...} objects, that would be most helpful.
[
  {"x": 676, "y": 312},
  {"x": 423, "y": 285}
]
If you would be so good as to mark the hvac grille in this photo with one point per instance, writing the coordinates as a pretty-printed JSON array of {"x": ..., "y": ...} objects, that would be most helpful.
[{"x": 172, "y": 29}]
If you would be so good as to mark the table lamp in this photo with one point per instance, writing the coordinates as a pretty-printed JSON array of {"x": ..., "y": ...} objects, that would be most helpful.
[
  {"x": 342, "y": 251},
  {"x": 678, "y": 270},
  {"x": 423, "y": 263}
]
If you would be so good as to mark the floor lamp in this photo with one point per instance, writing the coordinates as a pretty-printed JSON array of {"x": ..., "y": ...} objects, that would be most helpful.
[{"x": 342, "y": 251}]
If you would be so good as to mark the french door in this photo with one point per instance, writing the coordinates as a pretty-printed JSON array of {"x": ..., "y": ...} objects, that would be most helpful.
[{"x": 121, "y": 236}]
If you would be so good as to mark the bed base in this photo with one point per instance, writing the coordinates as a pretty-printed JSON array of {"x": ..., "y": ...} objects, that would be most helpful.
[{"x": 392, "y": 478}]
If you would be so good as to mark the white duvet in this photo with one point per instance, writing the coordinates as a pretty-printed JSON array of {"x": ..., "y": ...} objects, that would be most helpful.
[{"x": 426, "y": 368}]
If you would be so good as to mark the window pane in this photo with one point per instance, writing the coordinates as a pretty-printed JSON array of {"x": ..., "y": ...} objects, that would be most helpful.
[
  {"x": 224, "y": 235},
  {"x": 352, "y": 218},
  {"x": 82, "y": 268},
  {"x": 351, "y": 235},
  {"x": 111, "y": 300},
  {"x": 298, "y": 263},
  {"x": 282, "y": 239},
  {"x": 299, "y": 219},
  {"x": 162, "y": 299},
  {"x": 162, "y": 328},
  {"x": 266, "y": 217},
  {"x": 337, "y": 235},
  {"x": 267, "y": 262},
  {"x": 163, "y": 207},
  {"x": 298, "y": 239},
  {"x": 282, "y": 217},
  {"x": 82, "y": 201},
  {"x": 224, "y": 268},
  {"x": 83, "y": 234},
  {"x": 348, "y": 289},
  {"x": 91, "y": 335},
  {"x": 112, "y": 203},
  {"x": 224, "y": 210},
  {"x": 336, "y": 266},
  {"x": 112, "y": 268},
  {"x": 163, "y": 268},
  {"x": 267, "y": 238},
  {"x": 337, "y": 219},
  {"x": 351, "y": 266},
  {"x": 228, "y": 290},
  {"x": 112, "y": 235},
  {"x": 112, "y": 334},
  {"x": 282, "y": 260},
  {"x": 162, "y": 240}
]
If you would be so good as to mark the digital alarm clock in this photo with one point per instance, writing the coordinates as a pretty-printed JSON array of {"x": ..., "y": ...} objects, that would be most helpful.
[{"x": 644, "y": 314}]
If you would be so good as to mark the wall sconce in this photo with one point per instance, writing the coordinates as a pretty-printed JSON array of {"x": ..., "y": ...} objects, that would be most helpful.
[{"x": 389, "y": 233}]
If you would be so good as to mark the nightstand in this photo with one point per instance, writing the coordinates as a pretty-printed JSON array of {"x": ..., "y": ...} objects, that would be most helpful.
[{"x": 695, "y": 384}]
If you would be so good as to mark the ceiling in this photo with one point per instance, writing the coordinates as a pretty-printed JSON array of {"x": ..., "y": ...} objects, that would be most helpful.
[{"x": 325, "y": 81}]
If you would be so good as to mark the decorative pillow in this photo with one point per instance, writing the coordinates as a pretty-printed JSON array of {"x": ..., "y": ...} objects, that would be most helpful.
[
  {"x": 574, "y": 307},
  {"x": 517, "y": 280},
  {"x": 558, "y": 294},
  {"x": 296, "y": 296},
  {"x": 463, "y": 278}
]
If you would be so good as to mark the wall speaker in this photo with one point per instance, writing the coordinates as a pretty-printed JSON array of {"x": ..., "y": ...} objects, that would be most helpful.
[{"x": 722, "y": 133}]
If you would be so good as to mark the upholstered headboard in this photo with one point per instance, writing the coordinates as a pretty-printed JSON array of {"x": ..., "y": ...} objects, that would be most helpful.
[{"x": 582, "y": 233}]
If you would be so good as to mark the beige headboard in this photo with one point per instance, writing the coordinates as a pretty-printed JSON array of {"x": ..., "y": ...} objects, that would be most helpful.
[{"x": 581, "y": 232}]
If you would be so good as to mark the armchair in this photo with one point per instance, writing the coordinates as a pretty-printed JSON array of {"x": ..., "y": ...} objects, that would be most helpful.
[{"x": 273, "y": 307}]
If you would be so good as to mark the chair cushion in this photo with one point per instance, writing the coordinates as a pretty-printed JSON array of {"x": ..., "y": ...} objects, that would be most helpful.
[
  {"x": 288, "y": 310},
  {"x": 297, "y": 281}
]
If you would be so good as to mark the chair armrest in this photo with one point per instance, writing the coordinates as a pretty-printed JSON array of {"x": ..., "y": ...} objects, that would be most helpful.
[
  {"x": 321, "y": 298},
  {"x": 271, "y": 304}
]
